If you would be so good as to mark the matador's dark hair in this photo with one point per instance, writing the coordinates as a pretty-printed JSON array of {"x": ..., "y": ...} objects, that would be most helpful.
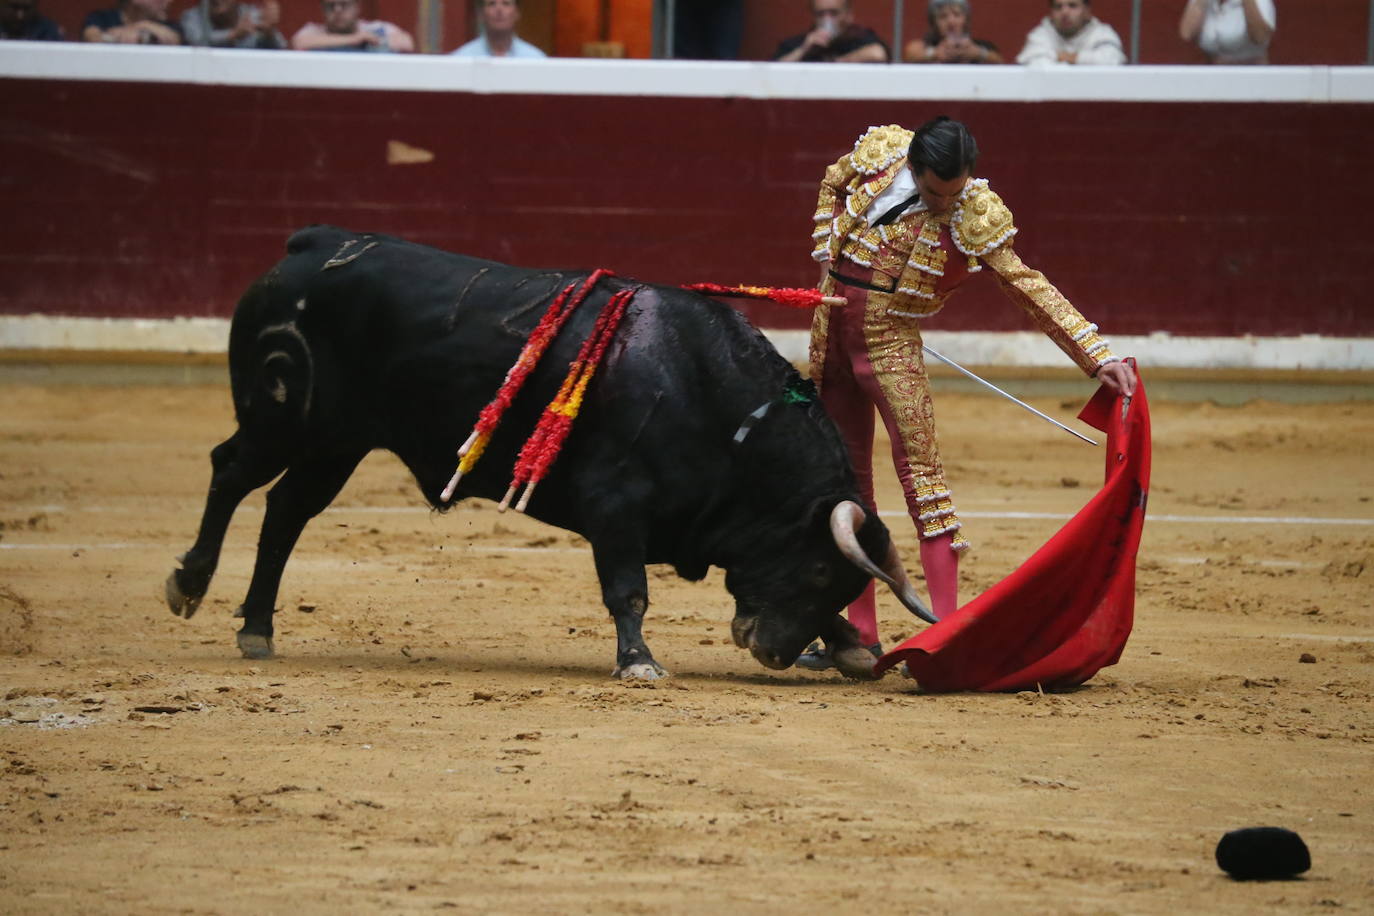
[{"x": 945, "y": 147}]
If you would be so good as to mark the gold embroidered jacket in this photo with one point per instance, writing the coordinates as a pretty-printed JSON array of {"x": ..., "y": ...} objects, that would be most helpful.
[{"x": 912, "y": 254}]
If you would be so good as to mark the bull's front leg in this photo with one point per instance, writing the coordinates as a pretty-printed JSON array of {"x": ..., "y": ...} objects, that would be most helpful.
[
  {"x": 237, "y": 470},
  {"x": 625, "y": 591},
  {"x": 302, "y": 493}
]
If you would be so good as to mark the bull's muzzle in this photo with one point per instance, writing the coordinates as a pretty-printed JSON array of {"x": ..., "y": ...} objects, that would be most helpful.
[
  {"x": 744, "y": 631},
  {"x": 851, "y": 658}
]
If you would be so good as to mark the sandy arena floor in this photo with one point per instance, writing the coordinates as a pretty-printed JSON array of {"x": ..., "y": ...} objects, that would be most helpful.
[{"x": 440, "y": 731}]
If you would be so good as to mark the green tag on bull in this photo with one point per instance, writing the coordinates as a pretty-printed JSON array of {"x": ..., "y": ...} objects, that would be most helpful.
[{"x": 799, "y": 391}]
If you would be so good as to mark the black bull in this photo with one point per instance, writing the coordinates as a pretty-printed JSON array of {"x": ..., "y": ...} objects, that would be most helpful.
[{"x": 358, "y": 342}]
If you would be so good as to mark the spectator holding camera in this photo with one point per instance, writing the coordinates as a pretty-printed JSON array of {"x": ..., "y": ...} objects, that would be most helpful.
[
  {"x": 344, "y": 29},
  {"x": 834, "y": 37},
  {"x": 1230, "y": 31},
  {"x": 132, "y": 22},
  {"x": 949, "y": 40},
  {"x": 231, "y": 24}
]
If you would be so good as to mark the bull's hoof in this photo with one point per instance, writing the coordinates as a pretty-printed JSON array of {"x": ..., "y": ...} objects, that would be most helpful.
[
  {"x": 182, "y": 604},
  {"x": 254, "y": 646},
  {"x": 856, "y": 662},
  {"x": 641, "y": 671}
]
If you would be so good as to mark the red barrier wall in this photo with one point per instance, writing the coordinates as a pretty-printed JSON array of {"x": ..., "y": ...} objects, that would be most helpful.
[{"x": 143, "y": 199}]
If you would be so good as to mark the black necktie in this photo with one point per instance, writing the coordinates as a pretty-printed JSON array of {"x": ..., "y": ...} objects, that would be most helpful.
[{"x": 892, "y": 214}]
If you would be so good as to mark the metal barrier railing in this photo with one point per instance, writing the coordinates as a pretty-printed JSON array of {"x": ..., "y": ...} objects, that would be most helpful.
[{"x": 665, "y": 11}]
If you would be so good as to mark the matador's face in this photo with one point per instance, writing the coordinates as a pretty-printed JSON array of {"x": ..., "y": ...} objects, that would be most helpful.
[{"x": 939, "y": 194}]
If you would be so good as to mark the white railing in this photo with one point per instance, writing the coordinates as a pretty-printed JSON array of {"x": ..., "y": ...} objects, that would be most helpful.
[{"x": 755, "y": 80}]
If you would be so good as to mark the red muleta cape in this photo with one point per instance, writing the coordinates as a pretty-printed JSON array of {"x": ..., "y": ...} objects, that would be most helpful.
[{"x": 1067, "y": 611}]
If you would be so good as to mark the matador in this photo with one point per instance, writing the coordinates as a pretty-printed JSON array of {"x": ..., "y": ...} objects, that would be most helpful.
[{"x": 900, "y": 224}]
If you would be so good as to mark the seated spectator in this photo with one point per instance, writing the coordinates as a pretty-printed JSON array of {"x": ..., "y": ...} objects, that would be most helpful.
[
  {"x": 1071, "y": 34},
  {"x": 231, "y": 24},
  {"x": 344, "y": 30},
  {"x": 498, "y": 38},
  {"x": 21, "y": 21},
  {"x": 1230, "y": 31},
  {"x": 949, "y": 41},
  {"x": 834, "y": 36},
  {"x": 132, "y": 22}
]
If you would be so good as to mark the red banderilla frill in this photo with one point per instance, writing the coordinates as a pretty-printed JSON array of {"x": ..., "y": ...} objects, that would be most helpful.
[
  {"x": 544, "y": 333},
  {"x": 542, "y": 448},
  {"x": 783, "y": 295}
]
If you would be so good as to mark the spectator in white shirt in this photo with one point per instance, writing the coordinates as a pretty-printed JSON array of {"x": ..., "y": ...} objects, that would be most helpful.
[
  {"x": 498, "y": 38},
  {"x": 1071, "y": 34},
  {"x": 1230, "y": 31}
]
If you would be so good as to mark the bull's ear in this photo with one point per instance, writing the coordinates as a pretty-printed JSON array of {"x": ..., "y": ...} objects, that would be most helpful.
[
  {"x": 872, "y": 534},
  {"x": 874, "y": 537},
  {"x": 820, "y": 513},
  {"x": 848, "y": 522}
]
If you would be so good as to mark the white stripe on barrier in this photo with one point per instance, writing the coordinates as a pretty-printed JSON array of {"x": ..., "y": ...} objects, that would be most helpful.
[
  {"x": 681, "y": 78},
  {"x": 971, "y": 348}
]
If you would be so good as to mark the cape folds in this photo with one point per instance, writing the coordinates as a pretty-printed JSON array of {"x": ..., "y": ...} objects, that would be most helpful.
[{"x": 1067, "y": 611}]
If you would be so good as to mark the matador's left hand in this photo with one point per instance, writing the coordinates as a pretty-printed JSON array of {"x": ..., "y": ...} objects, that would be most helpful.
[{"x": 1119, "y": 377}]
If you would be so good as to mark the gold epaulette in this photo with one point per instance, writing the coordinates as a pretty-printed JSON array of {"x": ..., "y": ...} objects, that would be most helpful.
[
  {"x": 981, "y": 222},
  {"x": 880, "y": 147}
]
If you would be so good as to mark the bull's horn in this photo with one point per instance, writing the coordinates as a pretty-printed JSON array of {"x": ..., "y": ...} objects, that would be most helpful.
[{"x": 845, "y": 520}]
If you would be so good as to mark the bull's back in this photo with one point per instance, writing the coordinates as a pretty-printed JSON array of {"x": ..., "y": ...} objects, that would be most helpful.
[
  {"x": 390, "y": 344},
  {"x": 385, "y": 343}
]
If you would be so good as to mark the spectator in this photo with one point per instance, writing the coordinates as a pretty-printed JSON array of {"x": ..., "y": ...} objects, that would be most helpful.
[
  {"x": 344, "y": 30},
  {"x": 708, "y": 29},
  {"x": 1071, "y": 34},
  {"x": 21, "y": 21},
  {"x": 132, "y": 22},
  {"x": 498, "y": 38},
  {"x": 949, "y": 41},
  {"x": 1230, "y": 31},
  {"x": 231, "y": 24},
  {"x": 834, "y": 37}
]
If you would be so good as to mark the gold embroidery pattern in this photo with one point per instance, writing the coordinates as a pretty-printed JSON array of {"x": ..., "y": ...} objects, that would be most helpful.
[
  {"x": 820, "y": 332},
  {"x": 825, "y": 217},
  {"x": 869, "y": 248},
  {"x": 1050, "y": 311},
  {"x": 981, "y": 221},
  {"x": 879, "y": 147},
  {"x": 936, "y": 515},
  {"x": 894, "y": 351},
  {"x": 924, "y": 267}
]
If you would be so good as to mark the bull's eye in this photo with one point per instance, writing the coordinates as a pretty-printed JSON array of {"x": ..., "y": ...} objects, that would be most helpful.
[{"x": 819, "y": 574}]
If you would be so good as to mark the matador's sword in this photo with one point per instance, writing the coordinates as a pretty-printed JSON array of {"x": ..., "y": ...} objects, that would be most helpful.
[{"x": 982, "y": 381}]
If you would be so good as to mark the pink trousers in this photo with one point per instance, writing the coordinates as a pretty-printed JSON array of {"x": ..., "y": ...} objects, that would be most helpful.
[{"x": 850, "y": 390}]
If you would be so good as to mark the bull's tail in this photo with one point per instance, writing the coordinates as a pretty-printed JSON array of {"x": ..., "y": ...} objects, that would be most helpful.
[{"x": 279, "y": 387}]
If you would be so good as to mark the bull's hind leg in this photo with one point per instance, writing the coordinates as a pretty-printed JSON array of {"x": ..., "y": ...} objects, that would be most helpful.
[
  {"x": 625, "y": 590},
  {"x": 302, "y": 493},
  {"x": 237, "y": 470}
]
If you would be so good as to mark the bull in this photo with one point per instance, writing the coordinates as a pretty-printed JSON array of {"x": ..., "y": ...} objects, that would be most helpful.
[{"x": 689, "y": 451}]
